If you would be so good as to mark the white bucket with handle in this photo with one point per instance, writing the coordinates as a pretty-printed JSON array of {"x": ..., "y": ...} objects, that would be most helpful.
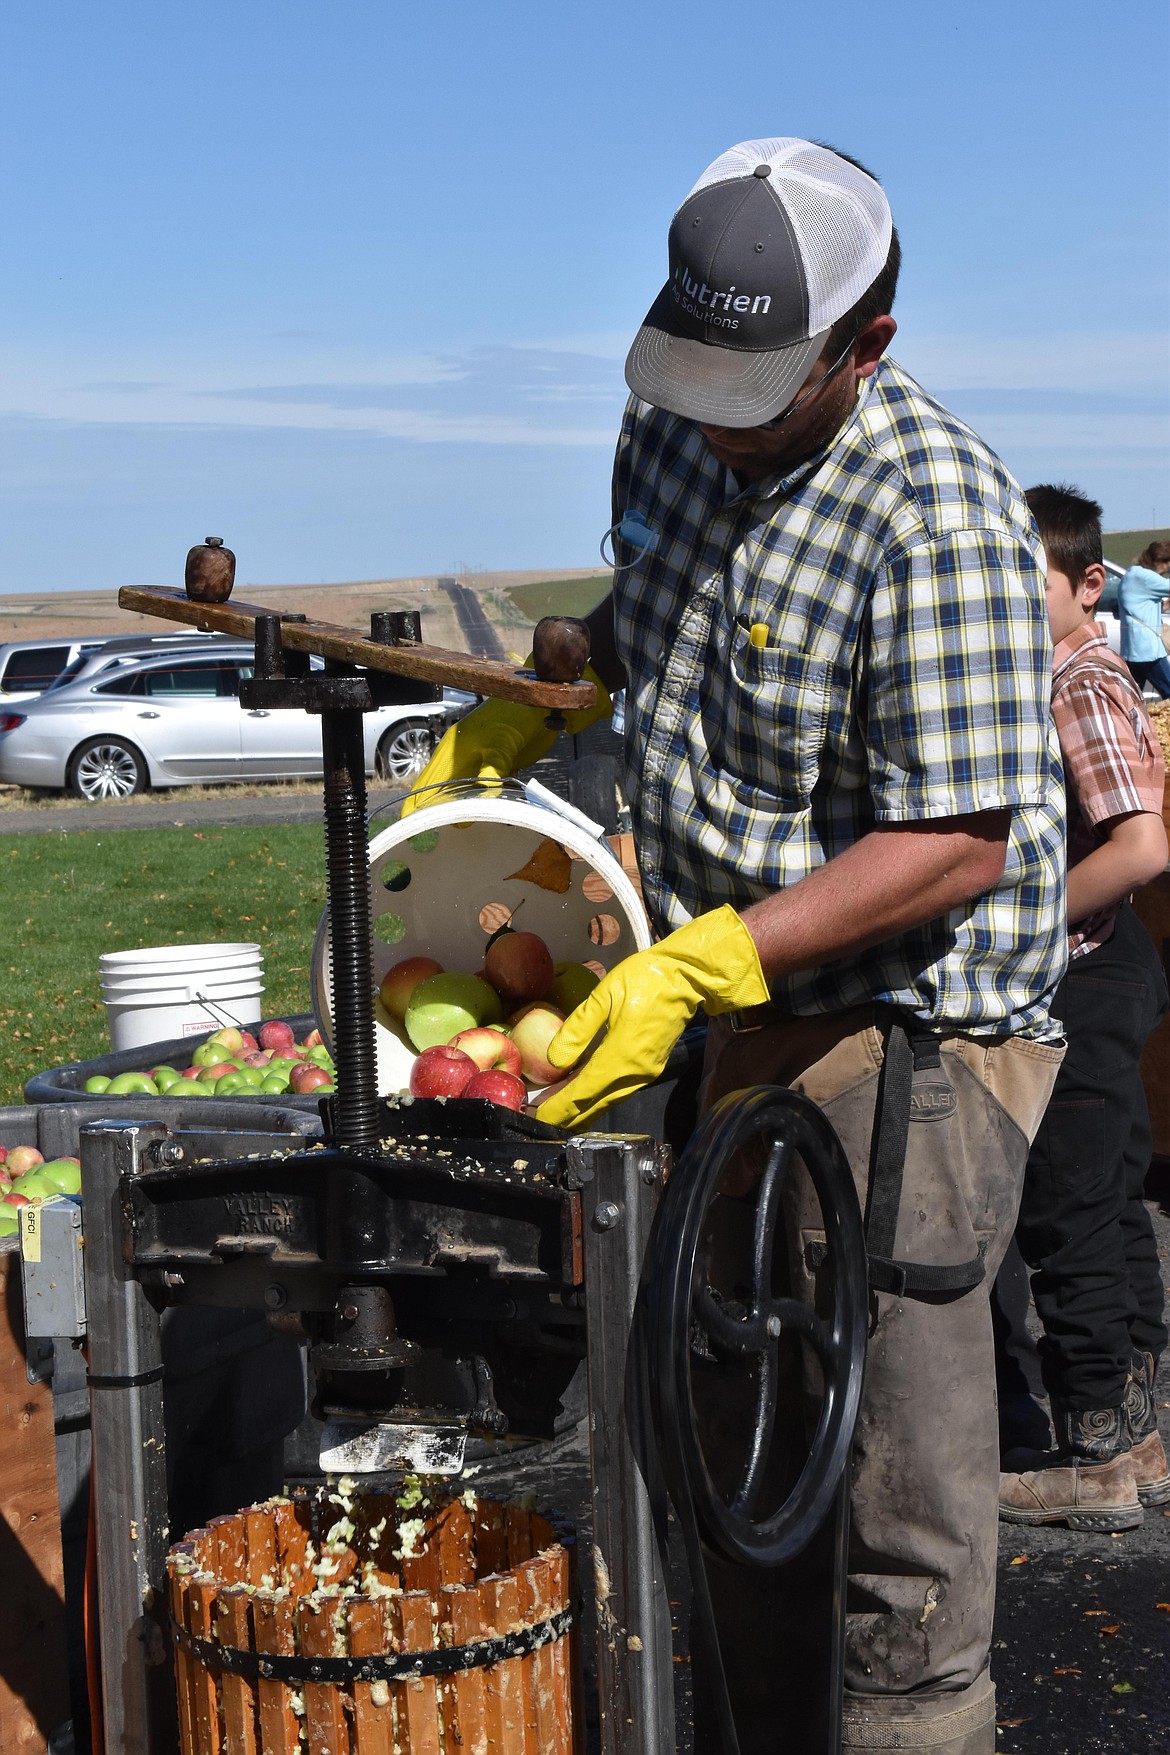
[
  {"x": 180, "y": 990},
  {"x": 443, "y": 880}
]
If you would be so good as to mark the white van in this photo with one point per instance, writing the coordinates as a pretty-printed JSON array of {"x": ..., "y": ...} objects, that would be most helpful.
[{"x": 27, "y": 667}]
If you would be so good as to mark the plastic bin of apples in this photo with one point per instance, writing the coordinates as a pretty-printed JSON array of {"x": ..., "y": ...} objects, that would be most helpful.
[
  {"x": 484, "y": 1035},
  {"x": 233, "y": 1062}
]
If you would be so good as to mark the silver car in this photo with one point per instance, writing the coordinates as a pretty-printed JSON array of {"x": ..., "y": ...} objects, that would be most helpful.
[{"x": 176, "y": 720}]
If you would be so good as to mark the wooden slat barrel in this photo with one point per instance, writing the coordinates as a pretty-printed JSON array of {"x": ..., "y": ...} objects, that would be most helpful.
[{"x": 316, "y": 1578}]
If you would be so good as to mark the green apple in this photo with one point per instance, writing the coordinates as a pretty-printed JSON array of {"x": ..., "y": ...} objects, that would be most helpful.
[
  {"x": 62, "y": 1174},
  {"x": 165, "y": 1075},
  {"x": 34, "y": 1186},
  {"x": 128, "y": 1083},
  {"x": 229, "y": 1039},
  {"x": 572, "y": 983},
  {"x": 9, "y": 1221},
  {"x": 251, "y": 1075},
  {"x": 232, "y": 1084},
  {"x": 442, "y": 1005},
  {"x": 186, "y": 1088},
  {"x": 209, "y": 1053},
  {"x": 276, "y": 1085},
  {"x": 97, "y": 1084}
]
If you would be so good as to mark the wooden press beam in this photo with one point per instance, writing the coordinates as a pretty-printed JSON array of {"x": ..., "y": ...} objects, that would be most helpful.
[{"x": 436, "y": 664}]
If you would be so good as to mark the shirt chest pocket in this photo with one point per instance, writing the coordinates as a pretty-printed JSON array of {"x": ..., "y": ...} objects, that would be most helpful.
[{"x": 769, "y": 719}]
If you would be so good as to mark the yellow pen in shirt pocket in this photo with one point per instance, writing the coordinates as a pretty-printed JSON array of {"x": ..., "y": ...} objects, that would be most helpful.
[{"x": 759, "y": 634}]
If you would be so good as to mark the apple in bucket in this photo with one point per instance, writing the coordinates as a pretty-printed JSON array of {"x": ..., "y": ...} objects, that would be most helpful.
[
  {"x": 491, "y": 1049},
  {"x": 532, "y": 1029},
  {"x": 519, "y": 966},
  {"x": 502, "y": 1088},
  {"x": 441, "y": 1071}
]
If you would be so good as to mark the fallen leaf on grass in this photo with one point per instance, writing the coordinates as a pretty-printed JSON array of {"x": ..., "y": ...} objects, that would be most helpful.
[
  {"x": 1068, "y": 1670},
  {"x": 1004, "y": 1724},
  {"x": 1020, "y": 1560},
  {"x": 1096, "y": 1611},
  {"x": 1116, "y": 1628},
  {"x": 1123, "y": 1687},
  {"x": 1165, "y": 1606}
]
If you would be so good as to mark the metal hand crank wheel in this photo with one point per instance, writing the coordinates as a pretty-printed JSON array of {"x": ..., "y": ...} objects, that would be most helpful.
[{"x": 685, "y": 1311}]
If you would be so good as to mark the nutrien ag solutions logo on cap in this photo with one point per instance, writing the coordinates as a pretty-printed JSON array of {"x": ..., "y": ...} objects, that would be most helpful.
[{"x": 707, "y": 304}]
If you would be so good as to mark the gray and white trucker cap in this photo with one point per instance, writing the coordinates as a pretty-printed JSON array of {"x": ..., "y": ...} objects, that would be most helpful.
[{"x": 775, "y": 242}]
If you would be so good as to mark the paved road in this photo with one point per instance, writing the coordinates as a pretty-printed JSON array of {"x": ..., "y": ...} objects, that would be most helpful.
[
  {"x": 479, "y": 633},
  {"x": 169, "y": 810}
]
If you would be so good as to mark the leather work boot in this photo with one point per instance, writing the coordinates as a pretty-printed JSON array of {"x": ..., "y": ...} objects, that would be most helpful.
[
  {"x": 1150, "y": 1468},
  {"x": 1087, "y": 1484}
]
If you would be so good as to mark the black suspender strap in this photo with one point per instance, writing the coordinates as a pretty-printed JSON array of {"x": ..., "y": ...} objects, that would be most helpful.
[{"x": 906, "y": 1052}]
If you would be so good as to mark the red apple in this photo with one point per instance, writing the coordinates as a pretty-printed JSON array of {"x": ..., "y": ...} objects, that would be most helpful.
[
  {"x": 3, "y": 1153},
  {"x": 312, "y": 1040},
  {"x": 305, "y": 1078},
  {"x": 503, "y": 1088},
  {"x": 248, "y": 1042},
  {"x": 532, "y": 1030},
  {"x": 441, "y": 1071},
  {"x": 260, "y": 1058},
  {"x": 400, "y": 982},
  {"x": 192, "y": 1072},
  {"x": 519, "y": 966},
  {"x": 22, "y": 1158},
  {"x": 12, "y": 1199},
  {"x": 286, "y": 1053},
  {"x": 490, "y": 1049},
  {"x": 277, "y": 1034},
  {"x": 221, "y": 1068}
]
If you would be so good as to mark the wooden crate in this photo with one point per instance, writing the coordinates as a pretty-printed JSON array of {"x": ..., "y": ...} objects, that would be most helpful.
[
  {"x": 320, "y": 1577},
  {"x": 34, "y": 1680}
]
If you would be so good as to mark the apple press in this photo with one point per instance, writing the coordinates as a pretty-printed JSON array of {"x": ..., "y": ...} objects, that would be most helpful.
[{"x": 460, "y": 1273}]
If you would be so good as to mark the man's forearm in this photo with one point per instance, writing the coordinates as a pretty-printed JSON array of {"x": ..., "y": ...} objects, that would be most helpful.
[
  {"x": 603, "y": 653},
  {"x": 889, "y": 882}
]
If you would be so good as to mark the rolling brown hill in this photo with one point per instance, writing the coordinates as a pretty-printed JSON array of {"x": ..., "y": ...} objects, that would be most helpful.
[{"x": 83, "y": 613}]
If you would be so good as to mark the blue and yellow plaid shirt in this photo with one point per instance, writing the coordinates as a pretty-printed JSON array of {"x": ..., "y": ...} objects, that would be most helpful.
[{"x": 904, "y": 676}]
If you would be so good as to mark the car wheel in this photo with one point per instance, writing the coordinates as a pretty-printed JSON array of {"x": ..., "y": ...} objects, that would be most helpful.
[
  {"x": 405, "y": 751},
  {"x": 104, "y": 768}
]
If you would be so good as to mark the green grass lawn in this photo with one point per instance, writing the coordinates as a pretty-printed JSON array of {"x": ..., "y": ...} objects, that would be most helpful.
[
  {"x": 69, "y": 897},
  {"x": 560, "y": 596},
  {"x": 1124, "y": 546}
]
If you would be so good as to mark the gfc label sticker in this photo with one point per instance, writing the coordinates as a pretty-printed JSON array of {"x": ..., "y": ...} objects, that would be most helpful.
[{"x": 30, "y": 1233}]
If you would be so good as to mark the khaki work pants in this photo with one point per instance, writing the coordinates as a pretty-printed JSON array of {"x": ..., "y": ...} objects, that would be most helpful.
[{"x": 925, "y": 1473}]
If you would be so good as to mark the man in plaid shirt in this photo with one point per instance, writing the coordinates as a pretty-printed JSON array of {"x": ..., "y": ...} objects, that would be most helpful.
[
  {"x": 828, "y": 615},
  {"x": 1083, "y": 1225}
]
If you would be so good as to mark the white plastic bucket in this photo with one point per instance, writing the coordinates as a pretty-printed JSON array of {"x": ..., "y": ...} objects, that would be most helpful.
[
  {"x": 168, "y": 993},
  {"x": 449, "y": 863},
  {"x": 151, "y": 961}
]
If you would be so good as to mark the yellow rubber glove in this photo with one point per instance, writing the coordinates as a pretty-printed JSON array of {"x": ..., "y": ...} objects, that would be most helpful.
[
  {"x": 647, "y": 1002},
  {"x": 496, "y": 739}
]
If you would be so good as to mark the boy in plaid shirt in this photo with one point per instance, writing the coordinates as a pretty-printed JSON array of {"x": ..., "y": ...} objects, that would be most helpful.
[{"x": 1083, "y": 1227}]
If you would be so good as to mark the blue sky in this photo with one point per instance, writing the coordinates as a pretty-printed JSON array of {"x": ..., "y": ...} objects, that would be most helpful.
[{"x": 351, "y": 285}]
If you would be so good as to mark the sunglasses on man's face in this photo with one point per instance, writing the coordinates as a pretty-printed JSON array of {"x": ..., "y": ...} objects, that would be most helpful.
[{"x": 770, "y": 426}]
